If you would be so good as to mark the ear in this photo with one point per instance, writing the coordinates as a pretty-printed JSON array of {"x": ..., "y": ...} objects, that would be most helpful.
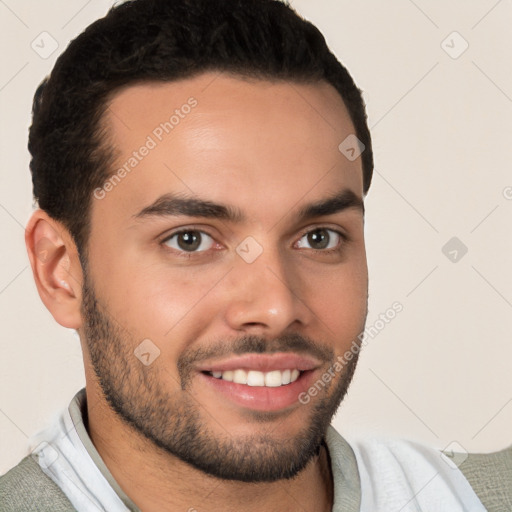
[{"x": 56, "y": 267}]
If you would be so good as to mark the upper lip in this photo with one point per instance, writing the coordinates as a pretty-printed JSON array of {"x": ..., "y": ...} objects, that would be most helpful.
[{"x": 263, "y": 363}]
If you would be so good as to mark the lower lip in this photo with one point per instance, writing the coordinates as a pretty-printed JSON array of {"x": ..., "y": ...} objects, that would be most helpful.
[{"x": 261, "y": 398}]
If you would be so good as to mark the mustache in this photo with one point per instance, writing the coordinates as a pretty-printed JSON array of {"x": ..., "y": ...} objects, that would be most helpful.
[{"x": 251, "y": 344}]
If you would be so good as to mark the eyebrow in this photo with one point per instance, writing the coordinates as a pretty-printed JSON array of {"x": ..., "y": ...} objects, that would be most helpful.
[
  {"x": 174, "y": 205},
  {"x": 344, "y": 200}
]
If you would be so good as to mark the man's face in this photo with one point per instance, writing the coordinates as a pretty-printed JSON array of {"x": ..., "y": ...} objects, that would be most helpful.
[{"x": 233, "y": 245}]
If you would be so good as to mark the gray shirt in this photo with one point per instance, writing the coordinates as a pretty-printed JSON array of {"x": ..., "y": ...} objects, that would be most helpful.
[{"x": 26, "y": 488}]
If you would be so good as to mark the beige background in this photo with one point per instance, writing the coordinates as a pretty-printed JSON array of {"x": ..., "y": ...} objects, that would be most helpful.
[{"x": 442, "y": 126}]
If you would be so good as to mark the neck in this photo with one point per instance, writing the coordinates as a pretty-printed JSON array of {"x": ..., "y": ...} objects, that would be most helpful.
[{"x": 157, "y": 481}]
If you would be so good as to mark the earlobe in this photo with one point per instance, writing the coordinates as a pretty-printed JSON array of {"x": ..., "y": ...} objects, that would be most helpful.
[{"x": 56, "y": 268}]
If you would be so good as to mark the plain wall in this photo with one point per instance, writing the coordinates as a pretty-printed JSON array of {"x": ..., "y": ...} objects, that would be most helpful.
[{"x": 440, "y": 371}]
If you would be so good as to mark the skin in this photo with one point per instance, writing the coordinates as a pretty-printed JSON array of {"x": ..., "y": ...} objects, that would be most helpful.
[{"x": 266, "y": 149}]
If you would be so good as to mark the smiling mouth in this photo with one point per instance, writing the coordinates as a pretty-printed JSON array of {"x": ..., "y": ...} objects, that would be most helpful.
[{"x": 255, "y": 378}]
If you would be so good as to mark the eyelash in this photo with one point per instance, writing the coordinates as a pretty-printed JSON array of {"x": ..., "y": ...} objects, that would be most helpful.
[{"x": 191, "y": 254}]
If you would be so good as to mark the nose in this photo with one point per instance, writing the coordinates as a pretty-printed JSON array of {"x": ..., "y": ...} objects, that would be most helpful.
[{"x": 266, "y": 297}]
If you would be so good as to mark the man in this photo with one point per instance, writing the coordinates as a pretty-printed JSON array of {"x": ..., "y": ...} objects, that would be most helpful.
[{"x": 200, "y": 168}]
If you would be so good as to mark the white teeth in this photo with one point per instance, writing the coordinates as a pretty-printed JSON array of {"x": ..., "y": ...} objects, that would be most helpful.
[
  {"x": 255, "y": 378},
  {"x": 271, "y": 379},
  {"x": 227, "y": 375},
  {"x": 240, "y": 377}
]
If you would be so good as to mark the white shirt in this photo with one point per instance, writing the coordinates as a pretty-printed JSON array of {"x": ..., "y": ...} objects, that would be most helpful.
[{"x": 393, "y": 475}]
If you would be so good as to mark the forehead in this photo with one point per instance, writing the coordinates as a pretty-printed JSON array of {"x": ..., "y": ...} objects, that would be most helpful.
[{"x": 228, "y": 140}]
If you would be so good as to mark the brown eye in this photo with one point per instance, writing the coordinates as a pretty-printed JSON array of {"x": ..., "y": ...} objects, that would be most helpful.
[
  {"x": 190, "y": 241},
  {"x": 320, "y": 239}
]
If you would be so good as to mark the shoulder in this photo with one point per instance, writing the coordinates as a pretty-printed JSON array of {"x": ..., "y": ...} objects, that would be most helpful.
[
  {"x": 490, "y": 475},
  {"x": 26, "y": 488},
  {"x": 404, "y": 464}
]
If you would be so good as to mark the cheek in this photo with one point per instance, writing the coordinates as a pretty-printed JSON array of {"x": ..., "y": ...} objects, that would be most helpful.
[
  {"x": 164, "y": 303},
  {"x": 340, "y": 302}
]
